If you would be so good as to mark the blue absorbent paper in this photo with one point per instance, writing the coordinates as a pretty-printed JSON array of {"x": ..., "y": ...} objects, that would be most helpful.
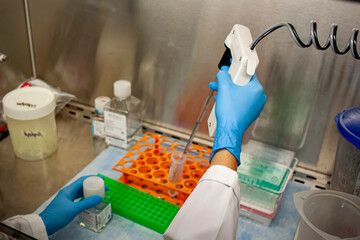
[{"x": 283, "y": 226}]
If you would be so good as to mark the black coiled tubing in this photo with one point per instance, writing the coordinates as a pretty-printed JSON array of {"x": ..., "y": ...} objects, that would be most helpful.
[{"x": 313, "y": 39}]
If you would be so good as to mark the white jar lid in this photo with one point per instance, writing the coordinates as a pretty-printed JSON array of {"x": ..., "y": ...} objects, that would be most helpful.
[
  {"x": 122, "y": 88},
  {"x": 94, "y": 186},
  {"x": 28, "y": 103},
  {"x": 100, "y": 103}
]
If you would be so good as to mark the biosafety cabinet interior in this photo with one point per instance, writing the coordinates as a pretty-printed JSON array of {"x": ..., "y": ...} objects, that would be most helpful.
[{"x": 170, "y": 51}]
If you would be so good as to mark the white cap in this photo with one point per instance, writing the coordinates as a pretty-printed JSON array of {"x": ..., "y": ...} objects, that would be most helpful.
[
  {"x": 100, "y": 103},
  {"x": 122, "y": 88},
  {"x": 94, "y": 186},
  {"x": 29, "y": 103}
]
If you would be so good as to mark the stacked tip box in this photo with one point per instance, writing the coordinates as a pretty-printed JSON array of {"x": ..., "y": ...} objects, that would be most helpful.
[{"x": 264, "y": 173}]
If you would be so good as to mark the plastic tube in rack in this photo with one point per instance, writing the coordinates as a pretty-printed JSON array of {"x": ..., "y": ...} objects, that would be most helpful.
[
  {"x": 176, "y": 167},
  {"x": 176, "y": 170}
]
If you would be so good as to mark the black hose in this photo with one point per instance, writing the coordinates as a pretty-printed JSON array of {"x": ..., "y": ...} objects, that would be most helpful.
[{"x": 313, "y": 39}]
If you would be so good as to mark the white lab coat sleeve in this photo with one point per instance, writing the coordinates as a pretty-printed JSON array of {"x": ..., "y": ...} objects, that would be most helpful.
[
  {"x": 30, "y": 224},
  {"x": 212, "y": 209}
]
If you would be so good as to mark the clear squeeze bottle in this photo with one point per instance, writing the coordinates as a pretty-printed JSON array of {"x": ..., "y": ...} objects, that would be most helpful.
[{"x": 122, "y": 117}]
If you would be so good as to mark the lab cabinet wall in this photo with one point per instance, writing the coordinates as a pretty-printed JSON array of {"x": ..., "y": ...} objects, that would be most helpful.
[
  {"x": 170, "y": 51},
  {"x": 14, "y": 44}
]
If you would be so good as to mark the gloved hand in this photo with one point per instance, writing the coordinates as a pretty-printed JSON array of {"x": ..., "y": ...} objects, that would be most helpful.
[
  {"x": 236, "y": 108},
  {"x": 62, "y": 210}
]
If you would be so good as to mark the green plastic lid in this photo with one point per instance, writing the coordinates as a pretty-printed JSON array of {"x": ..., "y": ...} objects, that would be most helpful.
[{"x": 262, "y": 173}]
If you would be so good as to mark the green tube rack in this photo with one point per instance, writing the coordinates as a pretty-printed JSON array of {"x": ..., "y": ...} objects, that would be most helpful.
[{"x": 140, "y": 207}]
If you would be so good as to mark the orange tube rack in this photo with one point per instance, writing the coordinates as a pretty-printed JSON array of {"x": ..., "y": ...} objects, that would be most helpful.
[{"x": 146, "y": 167}]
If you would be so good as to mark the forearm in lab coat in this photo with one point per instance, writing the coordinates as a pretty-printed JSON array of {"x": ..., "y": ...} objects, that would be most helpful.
[
  {"x": 30, "y": 224},
  {"x": 212, "y": 209}
]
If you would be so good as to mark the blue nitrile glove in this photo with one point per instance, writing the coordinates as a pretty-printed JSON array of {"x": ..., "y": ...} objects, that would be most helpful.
[
  {"x": 237, "y": 107},
  {"x": 62, "y": 210}
]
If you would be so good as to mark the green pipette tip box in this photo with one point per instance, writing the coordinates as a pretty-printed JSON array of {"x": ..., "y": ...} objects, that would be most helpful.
[
  {"x": 262, "y": 173},
  {"x": 140, "y": 207}
]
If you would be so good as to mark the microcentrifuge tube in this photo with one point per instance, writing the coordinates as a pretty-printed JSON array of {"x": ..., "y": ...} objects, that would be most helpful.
[{"x": 176, "y": 170}]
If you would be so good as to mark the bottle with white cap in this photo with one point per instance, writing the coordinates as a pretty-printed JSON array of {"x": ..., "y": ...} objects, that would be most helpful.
[
  {"x": 97, "y": 217},
  {"x": 122, "y": 117},
  {"x": 98, "y": 125},
  {"x": 30, "y": 116}
]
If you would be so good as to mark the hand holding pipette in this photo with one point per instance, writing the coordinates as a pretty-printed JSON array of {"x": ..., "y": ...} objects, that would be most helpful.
[{"x": 237, "y": 107}]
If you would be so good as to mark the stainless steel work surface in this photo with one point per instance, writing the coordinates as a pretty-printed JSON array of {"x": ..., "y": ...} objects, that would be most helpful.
[
  {"x": 283, "y": 225},
  {"x": 25, "y": 185}
]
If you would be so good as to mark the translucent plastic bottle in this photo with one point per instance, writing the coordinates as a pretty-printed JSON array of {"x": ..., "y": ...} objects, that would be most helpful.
[
  {"x": 95, "y": 218},
  {"x": 122, "y": 117},
  {"x": 31, "y": 121}
]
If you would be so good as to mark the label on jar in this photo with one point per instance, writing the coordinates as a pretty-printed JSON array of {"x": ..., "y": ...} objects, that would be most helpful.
[
  {"x": 25, "y": 104},
  {"x": 98, "y": 128},
  {"x": 115, "y": 125},
  {"x": 33, "y": 134}
]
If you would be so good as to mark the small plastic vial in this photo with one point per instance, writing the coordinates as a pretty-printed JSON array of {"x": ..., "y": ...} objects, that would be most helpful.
[
  {"x": 97, "y": 217},
  {"x": 98, "y": 125},
  {"x": 122, "y": 117},
  {"x": 176, "y": 170}
]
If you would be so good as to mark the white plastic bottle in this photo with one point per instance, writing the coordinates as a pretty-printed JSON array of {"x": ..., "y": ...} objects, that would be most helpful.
[
  {"x": 122, "y": 117},
  {"x": 96, "y": 218},
  {"x": 98, "y": 124}
]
